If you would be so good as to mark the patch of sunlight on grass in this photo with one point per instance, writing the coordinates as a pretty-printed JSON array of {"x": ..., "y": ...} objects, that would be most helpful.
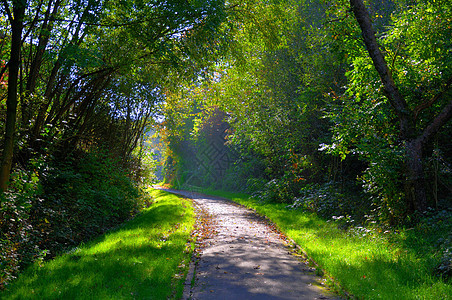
[
  {"x": 372, "y": 265},
  {"x": 139, "y": 260}
]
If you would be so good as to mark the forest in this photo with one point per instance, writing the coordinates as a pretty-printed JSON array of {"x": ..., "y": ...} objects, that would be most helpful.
[{"x": 340, "y": 108}]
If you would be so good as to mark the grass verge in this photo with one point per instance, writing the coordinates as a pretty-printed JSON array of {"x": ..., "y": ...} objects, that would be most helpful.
[
  {"x": 368, "y": 263},
  {"x": 147, "y": 258}
]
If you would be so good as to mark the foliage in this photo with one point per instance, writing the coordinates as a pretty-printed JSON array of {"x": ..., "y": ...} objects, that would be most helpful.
[
  {"x": 271, "y": 98},
  {"x": 90, "y": 67},
  {"x": 332, "y": 201},
  {"x": 145, "y": 258},
  {"x": 303, "y": 98},
  {"x": 306, "y": 110},
  {"x": 18, "y": 235},
  {"x": 149, "y": 168},
  {"x": 91, "y": 76},
  {"x": 433, "y": 220},
  {"x": 60, "y": 204},
  {"x": 196, "y": 150},
  {"x": 82, "y": 198},
  {"x": 245, "y": 175},
  {"x": 366, "y": 123}
]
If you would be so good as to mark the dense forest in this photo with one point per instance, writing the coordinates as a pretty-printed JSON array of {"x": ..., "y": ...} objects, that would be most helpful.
[
  {"x": 319, "y": 96},
  {"x": 338, "y": 107}
]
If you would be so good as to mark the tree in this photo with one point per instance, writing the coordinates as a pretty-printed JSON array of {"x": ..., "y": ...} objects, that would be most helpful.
[
  {"x": 75, "y": 50},
  {"x": 272, "y": 86},
  {"x": 16, "y": 19},
  {"x": 413, "y": 138}
]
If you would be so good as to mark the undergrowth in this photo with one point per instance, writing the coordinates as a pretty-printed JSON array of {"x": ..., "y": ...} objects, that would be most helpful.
[
  {"x": 147, "y": 258},
  {"x": 52, "y": 205}
]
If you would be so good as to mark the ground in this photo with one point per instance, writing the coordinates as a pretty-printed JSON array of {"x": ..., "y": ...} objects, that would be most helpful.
[{"x": 241, "y": 255}]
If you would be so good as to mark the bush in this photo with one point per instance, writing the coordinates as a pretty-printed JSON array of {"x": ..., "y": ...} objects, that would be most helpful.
[
  {"x": 18, "y": 236},
  {"x": 59, "y": 204},
  {"x": 383, "y": 183},
  {"x": 333, "y": 201},
  {"x": 276, "y": 190},
  {"x": 246, "y": 174},
  {"x": 83, "y": 198},
  {"x": 438, "y": 223}
]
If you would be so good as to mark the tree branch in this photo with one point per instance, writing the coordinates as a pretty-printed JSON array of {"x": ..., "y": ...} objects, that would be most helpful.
[
  {"x": 108, "y": 25},
  {"x": 440, "y": 120},
  {"x": 32, "y": 23},
  {"x": 368, "y": 33},
  {"x": 395, "y": 55},
  {"x": 435, "y": 98}
]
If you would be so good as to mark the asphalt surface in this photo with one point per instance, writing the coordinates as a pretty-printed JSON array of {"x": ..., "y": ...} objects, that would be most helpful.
[{"x": 245, "y": 257}]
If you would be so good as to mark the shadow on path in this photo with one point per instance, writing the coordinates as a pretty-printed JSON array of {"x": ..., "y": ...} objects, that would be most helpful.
[{"x": 247, "y": 258}]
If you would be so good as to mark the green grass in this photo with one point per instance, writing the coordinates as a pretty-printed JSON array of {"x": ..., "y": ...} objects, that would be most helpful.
[
  {"x": 369, "y": 264},
  {"x": 147, "y": 258}
]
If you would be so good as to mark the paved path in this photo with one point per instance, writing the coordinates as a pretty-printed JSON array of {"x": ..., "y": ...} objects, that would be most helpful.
[{"x": 246, "y": 258}]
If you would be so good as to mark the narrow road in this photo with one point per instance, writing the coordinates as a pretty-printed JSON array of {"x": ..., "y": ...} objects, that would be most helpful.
[{"x": 246, "y": 258}]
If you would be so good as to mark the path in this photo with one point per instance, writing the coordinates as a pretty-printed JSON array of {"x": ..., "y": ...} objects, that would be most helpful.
[{"x": 246, "y": 258}]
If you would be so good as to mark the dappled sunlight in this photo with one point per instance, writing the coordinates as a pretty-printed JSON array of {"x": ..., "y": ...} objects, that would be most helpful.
[
  {"x": 138, "y": 260},
  {"x": 335, "y": 115},
  {"x": 375, "y": 264},
  {"x": 247, "y": 257}
]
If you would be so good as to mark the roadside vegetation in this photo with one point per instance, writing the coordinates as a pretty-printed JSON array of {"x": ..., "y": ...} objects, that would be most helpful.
[
  {"x": 366, "y": 261},
  {"x": 335, "y": 116},
  {"x": 337, "y": 108},
  {"x": 145, "y": 258},
  {"x": 80, "y": 85}
]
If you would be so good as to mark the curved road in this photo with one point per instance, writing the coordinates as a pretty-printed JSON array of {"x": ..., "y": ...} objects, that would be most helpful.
[{"x": 246, "y": 258}]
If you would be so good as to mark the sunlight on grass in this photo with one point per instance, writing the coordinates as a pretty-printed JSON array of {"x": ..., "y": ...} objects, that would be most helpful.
[
  {"x": 141, "y": 260},
  {"x": 369, "y": 265}
]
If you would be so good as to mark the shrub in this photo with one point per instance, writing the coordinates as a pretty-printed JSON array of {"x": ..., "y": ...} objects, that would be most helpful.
[
  {"x": 18, "y": 236},
  {"x": 83, "y": 198},
  {"x": 333, "y": 201},
  {"x": 58, "y": 204},
  {"x": 276, "y": 190}
]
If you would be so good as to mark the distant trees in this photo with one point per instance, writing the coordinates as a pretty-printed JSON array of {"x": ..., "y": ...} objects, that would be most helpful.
[{"x": 270, "y": 87}]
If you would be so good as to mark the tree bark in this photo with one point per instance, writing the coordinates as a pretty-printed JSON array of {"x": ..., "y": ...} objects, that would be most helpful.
[
  {"x": 415, "y": 185},
  {"x": 16, "y": 20}
]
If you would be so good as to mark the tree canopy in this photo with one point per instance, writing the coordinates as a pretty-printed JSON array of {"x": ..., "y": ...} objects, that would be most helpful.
[
  {"x": 337, "y": 91},
  {"x": 339, "y": 107}
]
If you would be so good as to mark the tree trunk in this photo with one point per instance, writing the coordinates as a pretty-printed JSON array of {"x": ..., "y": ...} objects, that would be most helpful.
[
  {"x": 36, "y": 62},
  {"x": 52, "y": 89},
  {"x": 415, "y": 182},
  {"x": 11, "y": 102}
]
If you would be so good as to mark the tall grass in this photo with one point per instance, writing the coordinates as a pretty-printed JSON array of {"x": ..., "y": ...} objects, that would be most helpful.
[
  {"x": 367, "y": 263},
  {"x": 144, "y": 259}
]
